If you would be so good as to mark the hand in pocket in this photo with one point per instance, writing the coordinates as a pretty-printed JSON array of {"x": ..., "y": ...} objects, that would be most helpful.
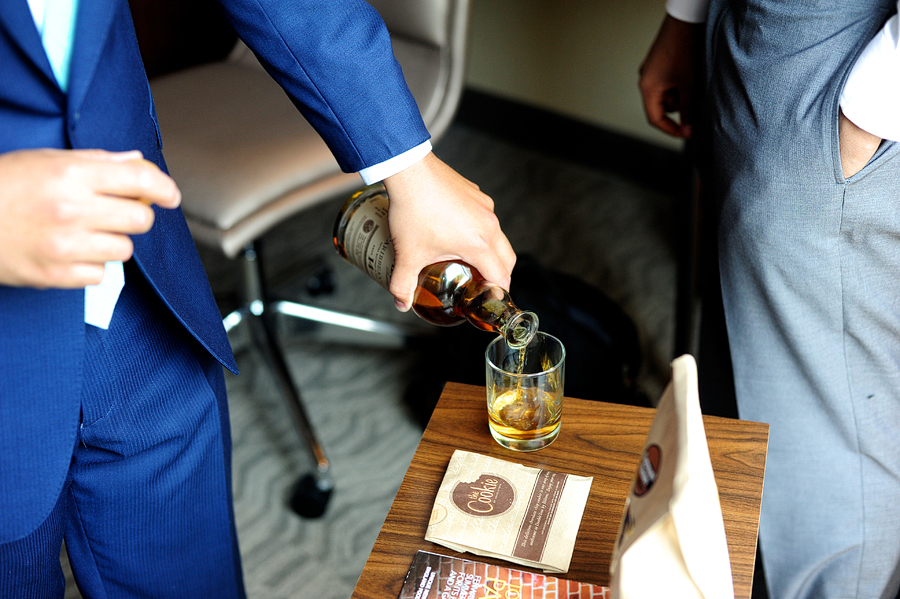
[{"x": 857, "y": 146}]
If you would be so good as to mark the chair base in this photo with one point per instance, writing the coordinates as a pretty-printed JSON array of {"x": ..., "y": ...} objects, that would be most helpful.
[{"x": 258, "y": 313}]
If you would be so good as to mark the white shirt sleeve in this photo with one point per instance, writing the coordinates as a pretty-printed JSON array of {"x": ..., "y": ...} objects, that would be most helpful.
[
  {"x": 871, "y": 96},
  {"x": 392, "y": 166},
  {"x": 690, "y": 11}
]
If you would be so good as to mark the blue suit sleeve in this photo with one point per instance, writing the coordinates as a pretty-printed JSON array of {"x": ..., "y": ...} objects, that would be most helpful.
[{"x": 335, "y": 61}]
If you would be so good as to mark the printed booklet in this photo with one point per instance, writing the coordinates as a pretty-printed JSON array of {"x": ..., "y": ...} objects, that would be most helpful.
[{"x": 436, "y": 576}]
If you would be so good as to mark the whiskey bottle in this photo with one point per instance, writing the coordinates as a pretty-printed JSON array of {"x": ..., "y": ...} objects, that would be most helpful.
[{"x": 448, "y": 293}]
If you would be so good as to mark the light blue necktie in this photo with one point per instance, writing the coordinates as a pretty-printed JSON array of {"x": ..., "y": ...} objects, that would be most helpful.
[{"x": 55, "y": 21}]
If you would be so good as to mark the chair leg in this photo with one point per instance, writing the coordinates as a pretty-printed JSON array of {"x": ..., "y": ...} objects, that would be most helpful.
[
  {"x": 387, "y": 330},
  {"x": 310, "y": 496},
  {"x": 313, "y": 491}
]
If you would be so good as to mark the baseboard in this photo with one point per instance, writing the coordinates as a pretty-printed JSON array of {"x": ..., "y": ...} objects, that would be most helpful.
[{"x": 650, "y": 165}]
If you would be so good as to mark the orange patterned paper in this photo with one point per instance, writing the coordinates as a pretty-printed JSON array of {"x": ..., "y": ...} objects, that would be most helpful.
[{"x": 434, "y": 576}]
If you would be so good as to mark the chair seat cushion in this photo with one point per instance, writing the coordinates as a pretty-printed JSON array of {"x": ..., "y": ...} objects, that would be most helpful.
[
  {"x": 243, "y": 155},
  {"x": 234, "y": 141}
]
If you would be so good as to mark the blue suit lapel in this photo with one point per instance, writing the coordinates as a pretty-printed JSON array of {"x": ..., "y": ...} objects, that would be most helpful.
[
  {"x": 16, "y": 19},
  {"x": 91, "y": 30}
]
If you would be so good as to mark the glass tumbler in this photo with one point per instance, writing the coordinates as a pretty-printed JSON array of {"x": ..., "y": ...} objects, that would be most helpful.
[{"x": 525, "y": 391}]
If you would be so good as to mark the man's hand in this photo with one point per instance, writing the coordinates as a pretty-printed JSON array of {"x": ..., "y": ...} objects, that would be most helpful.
[
  {"x": 436, "y": 215},
  {"x": 857, "y": 146},
  {"x": 65, "y": 213},
  {"x": 668, "y": 76}
]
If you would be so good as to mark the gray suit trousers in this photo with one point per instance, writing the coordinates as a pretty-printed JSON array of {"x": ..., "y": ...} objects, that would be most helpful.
[{"x": 810, "y": 267}]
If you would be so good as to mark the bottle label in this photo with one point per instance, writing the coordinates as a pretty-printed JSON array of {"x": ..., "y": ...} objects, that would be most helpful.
[{"x": 367, "y": 240}]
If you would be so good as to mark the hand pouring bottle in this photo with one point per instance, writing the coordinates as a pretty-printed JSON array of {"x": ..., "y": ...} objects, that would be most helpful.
[{"x": 448, "y": 293}]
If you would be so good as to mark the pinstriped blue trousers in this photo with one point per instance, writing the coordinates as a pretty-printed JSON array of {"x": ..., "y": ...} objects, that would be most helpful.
[
  {"x": 810, "y": 265},
  {"x": 146, "y": 510}
]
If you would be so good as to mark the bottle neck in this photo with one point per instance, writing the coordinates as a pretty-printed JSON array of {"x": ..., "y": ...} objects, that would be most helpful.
[
  {"x": 489, "y": 307},
  {"x": 519, "y": 329}
]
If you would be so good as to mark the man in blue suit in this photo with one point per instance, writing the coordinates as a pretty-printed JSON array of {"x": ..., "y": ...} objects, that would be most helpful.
[{"x": 113, "y": 419}]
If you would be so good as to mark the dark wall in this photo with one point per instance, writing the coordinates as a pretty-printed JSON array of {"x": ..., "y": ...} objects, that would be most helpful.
[{"x": 176, "y": 34}]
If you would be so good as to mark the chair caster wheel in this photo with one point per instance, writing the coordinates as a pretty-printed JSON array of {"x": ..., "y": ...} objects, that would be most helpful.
[{"x": 310, "y": 496}]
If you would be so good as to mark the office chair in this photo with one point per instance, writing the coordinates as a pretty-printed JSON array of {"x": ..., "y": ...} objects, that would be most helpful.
[{"x": 246, "y": 160}]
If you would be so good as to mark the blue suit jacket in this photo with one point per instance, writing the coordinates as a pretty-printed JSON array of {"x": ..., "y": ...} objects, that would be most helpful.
[{"x": 303, "y": 44}]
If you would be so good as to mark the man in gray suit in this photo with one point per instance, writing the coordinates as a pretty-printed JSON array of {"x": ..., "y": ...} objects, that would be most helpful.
[{"x": 797, "y": 146}]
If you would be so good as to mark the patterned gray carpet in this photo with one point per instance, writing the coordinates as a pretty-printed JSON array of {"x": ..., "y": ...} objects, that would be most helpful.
[{"x": 610, "y": 232}]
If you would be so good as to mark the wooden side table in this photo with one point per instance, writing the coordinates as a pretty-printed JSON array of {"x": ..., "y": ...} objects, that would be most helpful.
[{"x": 597, "y": 439}]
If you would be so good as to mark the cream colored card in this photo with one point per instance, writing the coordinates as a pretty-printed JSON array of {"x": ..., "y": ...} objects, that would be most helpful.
[{"x": 500, "y": 509}]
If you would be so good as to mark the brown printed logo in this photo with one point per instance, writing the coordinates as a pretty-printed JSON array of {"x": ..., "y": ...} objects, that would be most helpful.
[
  {"x": 368, "y": 226},
  {"x": 647, "y": 471},
  {"x": 490, "y": 495}
]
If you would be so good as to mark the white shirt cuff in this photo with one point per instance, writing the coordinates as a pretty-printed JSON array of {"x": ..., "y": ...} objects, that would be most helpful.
[
  {"x": 392, "y": 166},
  {"x": 872, "y": 93},
  {"x": 690, "y": 11}
]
